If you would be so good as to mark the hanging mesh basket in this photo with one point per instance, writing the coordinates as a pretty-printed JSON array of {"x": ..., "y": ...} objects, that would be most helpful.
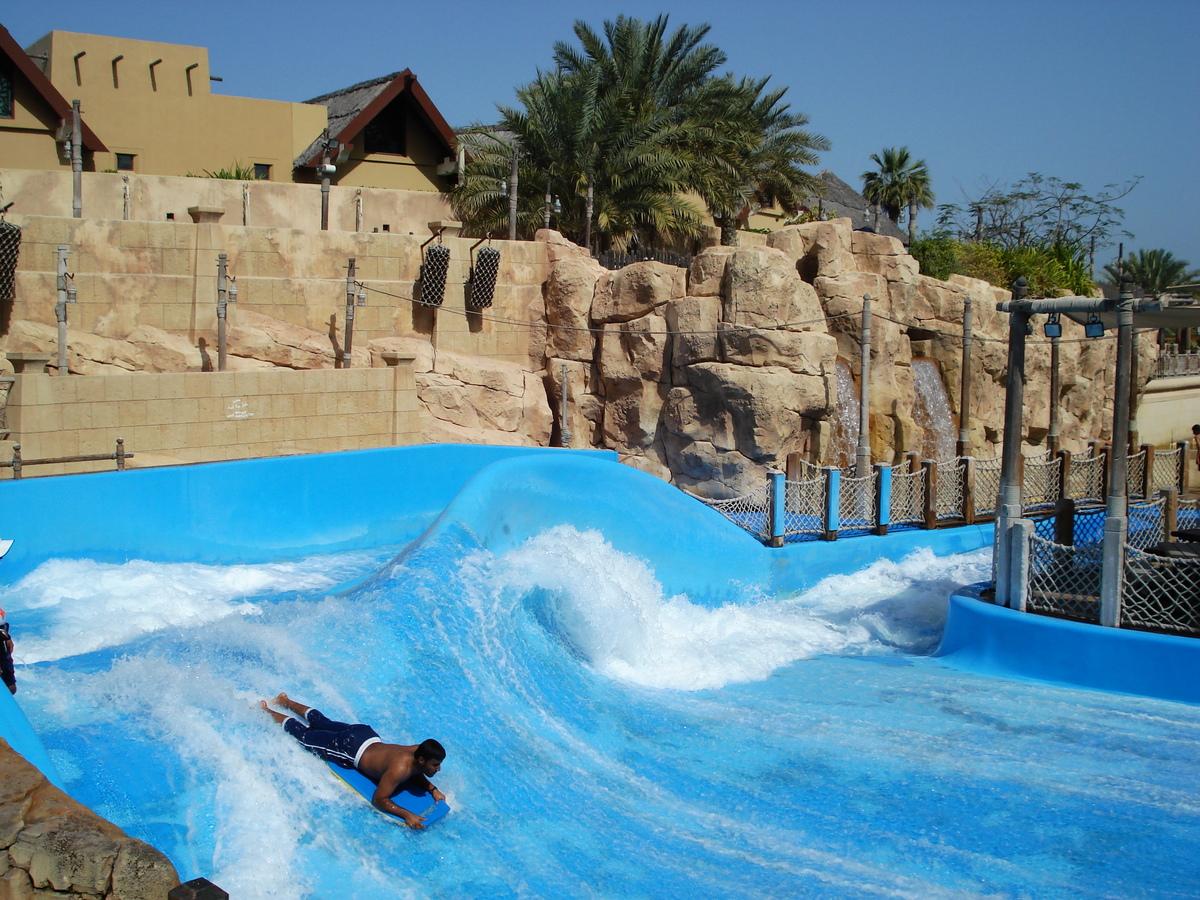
[
  {"x": 433, "y": 274},
  {"x": 483, "y": 277},
  {"x": 10, "y": 249}
]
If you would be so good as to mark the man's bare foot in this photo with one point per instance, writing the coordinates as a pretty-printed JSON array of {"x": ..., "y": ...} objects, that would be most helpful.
[
  {"x": 296, "y": 709},
  {"x": 279, "y": 717}
]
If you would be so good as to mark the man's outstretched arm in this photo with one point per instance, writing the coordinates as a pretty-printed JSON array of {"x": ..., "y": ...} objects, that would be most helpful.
[{"x": 382, "y": 799}]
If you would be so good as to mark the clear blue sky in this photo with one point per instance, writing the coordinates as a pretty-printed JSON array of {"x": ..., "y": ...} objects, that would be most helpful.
[{"x": 985, "y": 91}]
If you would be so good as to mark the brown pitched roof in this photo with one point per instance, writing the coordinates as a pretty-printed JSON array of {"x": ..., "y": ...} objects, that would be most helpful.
[
  {"x": 10, "y": 49},
  {"x": 350, "y": 109}
]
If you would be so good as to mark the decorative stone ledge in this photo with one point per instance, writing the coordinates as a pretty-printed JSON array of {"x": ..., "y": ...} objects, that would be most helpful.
[
  {"x": 206, "y": 215},
  {"x": 51, "y": 843},
  {"x": 28, "y": 363}
]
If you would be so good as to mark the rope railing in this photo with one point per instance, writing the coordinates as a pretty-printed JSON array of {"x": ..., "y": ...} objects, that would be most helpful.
[
  {"x": 826, "y": 502},
  {"x": 751, "y": 511},
  {"x": 1064, "y": 580},
  {"x": 1161, "y": 594},
  {"x": 804, "y": 506},
  {"x": 908, "y": 497}
]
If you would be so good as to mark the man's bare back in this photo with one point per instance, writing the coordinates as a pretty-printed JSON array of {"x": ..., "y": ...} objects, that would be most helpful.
[{"x": 390, "y": 766}]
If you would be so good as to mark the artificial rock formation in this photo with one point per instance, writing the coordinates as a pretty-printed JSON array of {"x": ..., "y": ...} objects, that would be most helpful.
[
  {"x": 705, "y": 376},
  {"x": 55, "y": 847},
  {"x": 709, "y": 379}
]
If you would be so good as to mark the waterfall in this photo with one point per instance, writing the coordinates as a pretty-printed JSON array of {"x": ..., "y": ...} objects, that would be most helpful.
[
  {"x": 931, "y": 410},
  {"x": 843, "y": 443}
]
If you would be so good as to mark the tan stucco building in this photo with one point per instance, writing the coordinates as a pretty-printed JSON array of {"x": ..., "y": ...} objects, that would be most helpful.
[{"x": 148, "y": 109}]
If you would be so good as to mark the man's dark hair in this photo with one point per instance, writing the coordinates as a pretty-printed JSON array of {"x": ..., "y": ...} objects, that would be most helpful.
[{"x": 431, "y": 749}]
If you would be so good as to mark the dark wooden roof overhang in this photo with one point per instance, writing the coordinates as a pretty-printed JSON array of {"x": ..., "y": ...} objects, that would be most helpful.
[{"x": 48, "y": 92}]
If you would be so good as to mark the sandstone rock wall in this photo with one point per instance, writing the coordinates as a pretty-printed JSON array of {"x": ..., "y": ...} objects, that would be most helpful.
[
  {"x": 711, "y": 376},
  {"x": 55, "y": 847},
  {"x": 705, "y": 376}
]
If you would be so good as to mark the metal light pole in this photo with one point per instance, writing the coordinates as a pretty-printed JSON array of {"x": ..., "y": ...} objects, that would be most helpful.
[
  {"x": 326, "y": 171},
  {"x": 565, "y": 429},
  {"x": 512, "y": 194},
  {"x": 1116, "y": 518},
  {"x": 76, "y": 161},
  {"x": 1053, "y": 441},
  {"x": 66, "y": 294},
  {"x": 226, "y": 294},
  {"x": 348, "y": 348},
  {"x": 963, "y": 447},
  {"x": 1008, "y": 499},
  {"x": 862, "y": 457}
]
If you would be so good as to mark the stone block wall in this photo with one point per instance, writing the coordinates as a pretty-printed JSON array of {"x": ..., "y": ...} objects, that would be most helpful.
[
  {"x": 260, "y": 204},
  {"x": 140, "y": 279},
  {"x": 206, "y": 417}
]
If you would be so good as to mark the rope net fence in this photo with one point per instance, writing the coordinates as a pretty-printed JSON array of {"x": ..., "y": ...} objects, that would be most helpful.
[
  {"x": 751, "y": 511},
  {"x": 908, "y": 496},
  {"x": 804, "y": 506},
  {"x": 856, "y": 504},
  {"x": 1085, "y": 482},
  {"x": 1189, "y": 514},
  {"x": 1135, "y": 475},
  {"x": 1161, "y": 594},
  {"x": 987, "y": 485},
  {"x": 1040, "y": 484},
  {"x": 1146, "y": 523},
  {"x": 1064, "y": 581},
  {"x": 951, "y": 479},
  {"x": 1165, "y": 472}
]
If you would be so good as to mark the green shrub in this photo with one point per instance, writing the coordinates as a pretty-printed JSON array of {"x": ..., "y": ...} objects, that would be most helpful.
[
  {"x": 236, "y": 172},
  {"x": 1053, "y": 270}
]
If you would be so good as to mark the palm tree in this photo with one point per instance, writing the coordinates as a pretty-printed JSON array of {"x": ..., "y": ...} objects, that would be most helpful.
[
  {"x": 1154, "y": 271},
  {"x": 626, "y": 130},
  {"x": 753, "y": 153},
  {"x": 898, "y": 181}
]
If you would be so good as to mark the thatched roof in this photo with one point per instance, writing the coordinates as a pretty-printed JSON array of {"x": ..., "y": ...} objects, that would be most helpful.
[
  {"x": 847, "y": 201},
  {"x": 351, "y": 108}
]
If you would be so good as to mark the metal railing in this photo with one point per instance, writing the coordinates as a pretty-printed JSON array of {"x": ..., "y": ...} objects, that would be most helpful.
[
  {"x": 619, "y": 259},
  {"x": 1174, "y": 365},
  {"x": 18, "y": 462}
]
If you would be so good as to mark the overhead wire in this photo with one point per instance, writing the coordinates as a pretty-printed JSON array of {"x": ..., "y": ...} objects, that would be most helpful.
[{"x": 522, "y": 323}]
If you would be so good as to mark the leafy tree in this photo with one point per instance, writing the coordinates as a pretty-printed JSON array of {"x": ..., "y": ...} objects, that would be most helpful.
[
  {"x": 1154, "y": 270},
  {"x": 1051, "y": 271},
  {"x": 628, "y": 131},
  {"x": 1039, "y": 211},
  {"x": 898, "y": 181}
]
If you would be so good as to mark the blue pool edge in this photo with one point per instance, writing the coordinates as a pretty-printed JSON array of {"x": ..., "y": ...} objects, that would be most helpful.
[{"x": 993, "y": 640}]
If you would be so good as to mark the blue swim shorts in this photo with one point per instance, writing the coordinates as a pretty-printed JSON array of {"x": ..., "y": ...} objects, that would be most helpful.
[{"x": 337, "y": 742}]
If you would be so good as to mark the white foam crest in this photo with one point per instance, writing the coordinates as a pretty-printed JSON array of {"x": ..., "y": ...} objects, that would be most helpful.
[
  {"x": 273, "y": 806},
  {"x": 78, "y": 605},
  {"x": 609, "y": 608}
]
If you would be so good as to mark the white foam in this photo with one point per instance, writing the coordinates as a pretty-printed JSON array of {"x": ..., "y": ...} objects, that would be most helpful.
[
  {"x": 80, "y": 606},
  {"x": 608, "y": 608}
]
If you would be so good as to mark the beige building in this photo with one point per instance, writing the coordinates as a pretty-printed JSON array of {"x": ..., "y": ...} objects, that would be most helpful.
[
  {"x": 148, "y": 109},
  {"x": 34, "y": 116}
]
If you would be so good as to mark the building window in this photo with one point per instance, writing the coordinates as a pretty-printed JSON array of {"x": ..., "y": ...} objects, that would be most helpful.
[
  {"x": 386, "y": 132},
  {"x": 262, "y": 171},
  {"x": 6, "y": 95},
  {"x": 125, "y": 162}
]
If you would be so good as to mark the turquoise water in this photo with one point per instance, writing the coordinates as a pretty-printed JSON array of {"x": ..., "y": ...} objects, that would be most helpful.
[{"x": 605, "y": 739}]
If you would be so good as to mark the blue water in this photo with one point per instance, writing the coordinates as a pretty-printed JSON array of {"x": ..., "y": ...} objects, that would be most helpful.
[{"x": 605, "y": 739}]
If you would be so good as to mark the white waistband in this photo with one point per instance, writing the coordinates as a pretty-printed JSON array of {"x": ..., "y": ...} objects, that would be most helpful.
[{"x": 365, "y": 744}]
